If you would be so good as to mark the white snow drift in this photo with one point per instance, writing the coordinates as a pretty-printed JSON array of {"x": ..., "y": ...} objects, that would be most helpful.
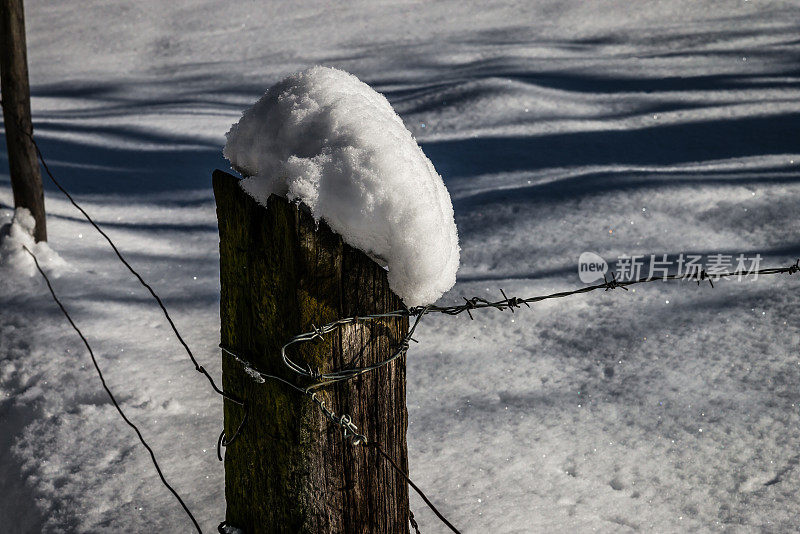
[
  {"x": 17, "y": 235},
  {"x": 326, "y": 138}
]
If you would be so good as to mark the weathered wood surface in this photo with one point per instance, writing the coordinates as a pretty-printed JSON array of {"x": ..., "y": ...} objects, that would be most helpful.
[
  {"x": 26, "y": 179},
  {"x": 291, "y": 470}
]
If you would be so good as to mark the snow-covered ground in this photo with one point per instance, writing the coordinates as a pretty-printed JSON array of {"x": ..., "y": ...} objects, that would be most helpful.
[{"x": 559, "y": 127}]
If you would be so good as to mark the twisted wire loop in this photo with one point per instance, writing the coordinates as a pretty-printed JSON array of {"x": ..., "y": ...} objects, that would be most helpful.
[
  {"x": 332, "y": 377},
  {"x": 223, "y": 440},
  {"x": 349, "y": 429}
]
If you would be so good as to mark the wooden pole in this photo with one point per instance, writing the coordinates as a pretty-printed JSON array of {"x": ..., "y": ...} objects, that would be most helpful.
[
  {"x": 26, "y": 179},
  {"x": 290, "y": 470}
]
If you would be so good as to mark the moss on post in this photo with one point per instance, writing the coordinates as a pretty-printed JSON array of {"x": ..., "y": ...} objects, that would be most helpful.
[{"x": 290, "y": 470}]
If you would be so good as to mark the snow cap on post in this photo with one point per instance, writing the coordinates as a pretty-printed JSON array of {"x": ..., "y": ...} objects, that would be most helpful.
[{"x": 327, "y": 139}]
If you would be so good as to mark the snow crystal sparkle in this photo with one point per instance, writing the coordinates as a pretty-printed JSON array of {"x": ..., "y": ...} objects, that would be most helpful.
[{"x": 329, "y": 140}]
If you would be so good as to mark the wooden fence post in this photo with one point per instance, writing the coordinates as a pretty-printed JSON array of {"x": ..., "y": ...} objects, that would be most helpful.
[
  {"x": 290, "y": 470},
  {"x": 26, "y": 179}
]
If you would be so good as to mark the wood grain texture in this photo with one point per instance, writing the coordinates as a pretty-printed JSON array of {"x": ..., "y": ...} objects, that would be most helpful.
[
  {"x": 290, "y": 470},
  {"x": 26, "y": 179}
]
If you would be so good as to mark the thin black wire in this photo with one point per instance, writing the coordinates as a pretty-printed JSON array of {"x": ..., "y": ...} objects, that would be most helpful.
[
  {"x": 149, "y": 288},
  {"x": 388, "y": 458},
  {"x": 133, "y": 271},
  {"x": 111, "y": 395}
]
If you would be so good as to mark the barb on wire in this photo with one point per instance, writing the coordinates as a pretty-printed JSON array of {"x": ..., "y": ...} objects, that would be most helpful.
[
  {"x": 612, "y": 284},
  {"x": 608, "y": 284},
  {"x": 111, "y": 395}
]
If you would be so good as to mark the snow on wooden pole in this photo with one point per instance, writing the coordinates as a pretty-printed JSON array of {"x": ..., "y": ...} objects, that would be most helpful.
[
  {"x": 26, "y": 180},
  {"x": 290, "y": 469}
]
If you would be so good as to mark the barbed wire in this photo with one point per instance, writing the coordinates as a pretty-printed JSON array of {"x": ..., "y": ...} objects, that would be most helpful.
[
  {"x": 111, "y": 395},
  {"x": 321, "y": 380},
  {"x": 476, "y": 303},
  {"x": 510, "y": 303}
]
